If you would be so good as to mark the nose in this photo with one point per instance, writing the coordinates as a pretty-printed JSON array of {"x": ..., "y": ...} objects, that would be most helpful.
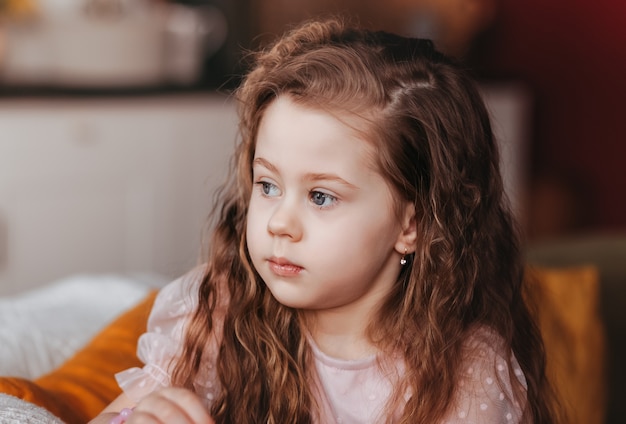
[{"x": 285, "y": 221}]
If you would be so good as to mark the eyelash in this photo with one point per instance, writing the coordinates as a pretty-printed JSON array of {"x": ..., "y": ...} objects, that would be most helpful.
[
  {"x": 265, "y": 186},
  {"x": 323, "y": 195}
]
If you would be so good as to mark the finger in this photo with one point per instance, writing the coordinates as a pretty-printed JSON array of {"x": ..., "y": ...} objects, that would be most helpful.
[
  {"x": 171, "y": 405},
  {"x": 190, "y": 403}
]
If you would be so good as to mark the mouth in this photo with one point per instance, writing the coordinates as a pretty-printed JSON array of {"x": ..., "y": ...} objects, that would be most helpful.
[{"x": 282, "y": 267}]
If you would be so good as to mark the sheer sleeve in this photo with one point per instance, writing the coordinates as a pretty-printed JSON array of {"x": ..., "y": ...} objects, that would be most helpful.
[
  {"x": 173, "y": 308},
  {"x": 492, "y": 389}
]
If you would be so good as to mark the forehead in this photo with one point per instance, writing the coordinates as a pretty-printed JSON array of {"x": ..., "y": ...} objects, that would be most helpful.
[{"x": 288, "y": 124}]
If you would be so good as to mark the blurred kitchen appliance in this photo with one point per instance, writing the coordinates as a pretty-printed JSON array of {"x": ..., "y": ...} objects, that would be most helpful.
[{"x": 111, "y": 44}]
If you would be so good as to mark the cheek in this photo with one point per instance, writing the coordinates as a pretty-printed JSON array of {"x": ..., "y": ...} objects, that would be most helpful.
[
  {"x": 376, "y": 234},
  {"x": 253, "y": 224},
  {"x": 359, "y": 235}
]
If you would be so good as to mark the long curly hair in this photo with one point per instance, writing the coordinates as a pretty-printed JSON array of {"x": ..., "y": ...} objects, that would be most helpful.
[{"x": 436, "y": 150}]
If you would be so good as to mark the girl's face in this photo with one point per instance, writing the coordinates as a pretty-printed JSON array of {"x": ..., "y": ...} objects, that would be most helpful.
[{"x": 322, "y": 226}]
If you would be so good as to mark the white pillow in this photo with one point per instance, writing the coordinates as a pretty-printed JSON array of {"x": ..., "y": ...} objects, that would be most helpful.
[
  {"x": 42, "y": 328},
  {"x": 17, "y": 411}
]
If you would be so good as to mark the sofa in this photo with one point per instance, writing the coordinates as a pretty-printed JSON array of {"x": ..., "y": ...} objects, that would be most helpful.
[
  {"x": 577, "y": 288},
  {"x": 606, "y": 255}
]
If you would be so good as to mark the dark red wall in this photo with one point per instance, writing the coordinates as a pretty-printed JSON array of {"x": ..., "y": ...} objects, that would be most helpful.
[{"x": 572, "y": 55}]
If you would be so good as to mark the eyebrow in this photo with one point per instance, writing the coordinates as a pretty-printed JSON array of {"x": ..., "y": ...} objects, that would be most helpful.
[
  {"x": 264, "y": 163},
  {"x": 311, "y": 176}
]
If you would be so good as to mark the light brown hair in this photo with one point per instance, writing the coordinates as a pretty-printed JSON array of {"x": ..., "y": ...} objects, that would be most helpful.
[{"x": 435, "y": 149}]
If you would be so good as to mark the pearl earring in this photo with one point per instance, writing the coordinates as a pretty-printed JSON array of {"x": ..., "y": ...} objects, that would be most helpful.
[{"x": 403, "y": 258}]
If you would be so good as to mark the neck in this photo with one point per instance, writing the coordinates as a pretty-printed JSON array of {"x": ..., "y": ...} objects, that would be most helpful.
[{"x": 341, "y": 334}]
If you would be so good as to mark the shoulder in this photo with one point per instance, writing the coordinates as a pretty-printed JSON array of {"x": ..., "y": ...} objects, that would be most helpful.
[
  {"x": 491, "y": 386},
  {"x": 485, "y": 350},
  {"x": 161, "y": 343},
  {"x": 173, "y": 307},
  {"x": 481, "y": 341},
  {"x": 180, "y": 295},
  {"x": 484, "y": 345}
]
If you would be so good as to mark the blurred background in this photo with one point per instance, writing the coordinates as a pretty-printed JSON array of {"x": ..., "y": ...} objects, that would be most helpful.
[
  {"x": 552, "y": 71},
  {"x": 567, "y": 57},
  {"x": 116, "y": 125}
]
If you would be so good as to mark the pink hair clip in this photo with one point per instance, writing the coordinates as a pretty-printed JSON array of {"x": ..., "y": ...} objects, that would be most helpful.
[{"x": 122, "y": 416}]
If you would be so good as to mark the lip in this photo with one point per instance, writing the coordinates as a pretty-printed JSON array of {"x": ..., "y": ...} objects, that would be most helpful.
[{"x": 283, "y": 267}]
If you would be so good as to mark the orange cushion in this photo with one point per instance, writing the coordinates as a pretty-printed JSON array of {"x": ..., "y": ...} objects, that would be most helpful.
[
  {"x": 567, "y": 304},
  {"x": 79, "y": 389}
]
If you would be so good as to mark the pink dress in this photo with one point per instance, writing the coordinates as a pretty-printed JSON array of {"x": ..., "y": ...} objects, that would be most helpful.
[{"x": 352, "y": 391}]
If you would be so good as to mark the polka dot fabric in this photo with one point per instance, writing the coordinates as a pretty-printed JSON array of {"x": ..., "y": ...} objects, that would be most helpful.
[
  {"x": 485, "y": 393},
  {"x": 349, "y": 391}
]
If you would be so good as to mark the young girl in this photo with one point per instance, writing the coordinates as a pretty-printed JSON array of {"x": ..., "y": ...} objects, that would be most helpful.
[{"x": 363, "y": 267}]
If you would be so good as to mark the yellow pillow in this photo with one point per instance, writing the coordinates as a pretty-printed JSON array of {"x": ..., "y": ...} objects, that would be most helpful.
[
  {"x": 79, "y": 389},
  {"x": 567, "y": 305}
]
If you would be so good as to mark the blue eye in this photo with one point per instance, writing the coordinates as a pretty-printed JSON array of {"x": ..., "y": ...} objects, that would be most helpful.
[
  {"x": 269, "y": 189},
  {"x": 322, "y": 199}
]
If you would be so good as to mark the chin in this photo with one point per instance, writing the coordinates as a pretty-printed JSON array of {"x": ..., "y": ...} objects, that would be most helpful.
[{"x": 287, "y": 299}]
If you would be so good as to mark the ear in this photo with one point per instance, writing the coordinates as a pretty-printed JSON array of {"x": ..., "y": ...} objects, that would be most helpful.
[{"x": 407, "y": 239}]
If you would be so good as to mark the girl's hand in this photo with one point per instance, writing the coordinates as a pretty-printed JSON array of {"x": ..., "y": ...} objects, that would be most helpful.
[{"x": 170, "y": 406}]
